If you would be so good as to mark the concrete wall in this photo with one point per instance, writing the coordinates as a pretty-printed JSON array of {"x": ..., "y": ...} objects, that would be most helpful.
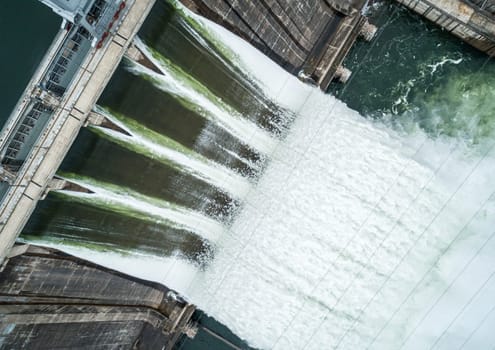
[
  {"x": 462, "y": 18},
  {"x": 309, "y": 37},
  {"x": 50, "y": 300},
  {"x": 71, "y": 327}
]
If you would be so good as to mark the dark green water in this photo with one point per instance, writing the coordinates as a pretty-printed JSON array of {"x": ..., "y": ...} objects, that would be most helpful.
[
  {"x": 204, "y": 340},
  {"x": 414, "y": 74},
  {"x": 26, "y": 30}
]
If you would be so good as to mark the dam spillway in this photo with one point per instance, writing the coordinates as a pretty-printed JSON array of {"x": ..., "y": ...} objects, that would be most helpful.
[
  {"x": 308, "y": 202},
  {"x": 77, "y": 67},
  {"x": 58, "y": 101},
  {"x": 278, "y": 29}
]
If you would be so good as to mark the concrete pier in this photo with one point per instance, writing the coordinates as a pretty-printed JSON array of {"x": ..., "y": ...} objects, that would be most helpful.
[
  {"x": 52, "y": 300},
  {"x": 26, "y": 178},
  {"x": 471, "y": 20}
]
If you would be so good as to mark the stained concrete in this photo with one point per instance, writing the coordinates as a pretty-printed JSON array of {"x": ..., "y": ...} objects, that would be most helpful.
[
  {"x": 49, "y": 300},
  {"x": 307, "y": 38},
  {"x": 471, "y": 21}
]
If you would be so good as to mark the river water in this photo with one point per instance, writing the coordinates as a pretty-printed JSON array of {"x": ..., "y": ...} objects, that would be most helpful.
[
  {"x": 19, "y": 49},
  {"x": 298, "y": 219}
]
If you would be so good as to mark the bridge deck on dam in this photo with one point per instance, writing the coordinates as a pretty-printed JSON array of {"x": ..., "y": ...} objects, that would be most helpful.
[{"x": 54, "y": 107}]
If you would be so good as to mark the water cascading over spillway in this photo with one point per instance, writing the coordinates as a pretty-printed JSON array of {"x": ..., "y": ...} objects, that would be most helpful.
[
  {"x": 154, "y": 145},
  {"x": 358, "y": 235},
  {"x": 128, "y": 202},
  {"x": 197, "y": 97},
  {"x": 332, "y": 250}
]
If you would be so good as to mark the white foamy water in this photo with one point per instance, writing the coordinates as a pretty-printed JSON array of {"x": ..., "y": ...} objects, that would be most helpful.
[
  {"x": 355, "y": 237},
  {"x": 128, "y": 202},
  {"x": 442, "y": 62},
  {"x": 157, "y": 146},
  {"x": 198, "y": 97},
  {"x": 352, "y": 235}
]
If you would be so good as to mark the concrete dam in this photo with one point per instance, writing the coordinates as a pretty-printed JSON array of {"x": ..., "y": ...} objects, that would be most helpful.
[
  {"x": 53, "y": 300},
  {"x": 248, "y": 118},
  {"x": 62, "y": 93},
  {"x": 58, "y": 101}
]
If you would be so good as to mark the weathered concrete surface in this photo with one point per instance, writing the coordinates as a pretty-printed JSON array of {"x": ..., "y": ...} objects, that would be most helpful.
[
  {"x": 50, "y": 300},
  {"x": 61, "y": 131},
  {"x": 469, "y": 20},
  {"x": 118, "y": 334},
  {"x": 307, "y": 38}
]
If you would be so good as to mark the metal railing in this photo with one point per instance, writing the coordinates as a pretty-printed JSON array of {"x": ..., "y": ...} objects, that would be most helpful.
[
  {"x": 488, "y": 6},
  {"x": 69, "y": 51},
  {"x": 21, "y": 135}
]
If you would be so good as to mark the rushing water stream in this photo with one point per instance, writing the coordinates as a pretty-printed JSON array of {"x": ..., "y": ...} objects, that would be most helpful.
[{"x": 282, "y": 211}]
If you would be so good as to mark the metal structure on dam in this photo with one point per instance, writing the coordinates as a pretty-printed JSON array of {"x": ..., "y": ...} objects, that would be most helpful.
[
  {"x": 472, "y": 21},
  {"x": 57, "y": 101},
  {"x": 45, "y": 292}
]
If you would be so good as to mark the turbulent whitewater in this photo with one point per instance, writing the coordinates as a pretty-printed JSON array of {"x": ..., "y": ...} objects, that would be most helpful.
[
  {"x": 358, "y": 234},
  {"x": 353, "y": 228}
]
